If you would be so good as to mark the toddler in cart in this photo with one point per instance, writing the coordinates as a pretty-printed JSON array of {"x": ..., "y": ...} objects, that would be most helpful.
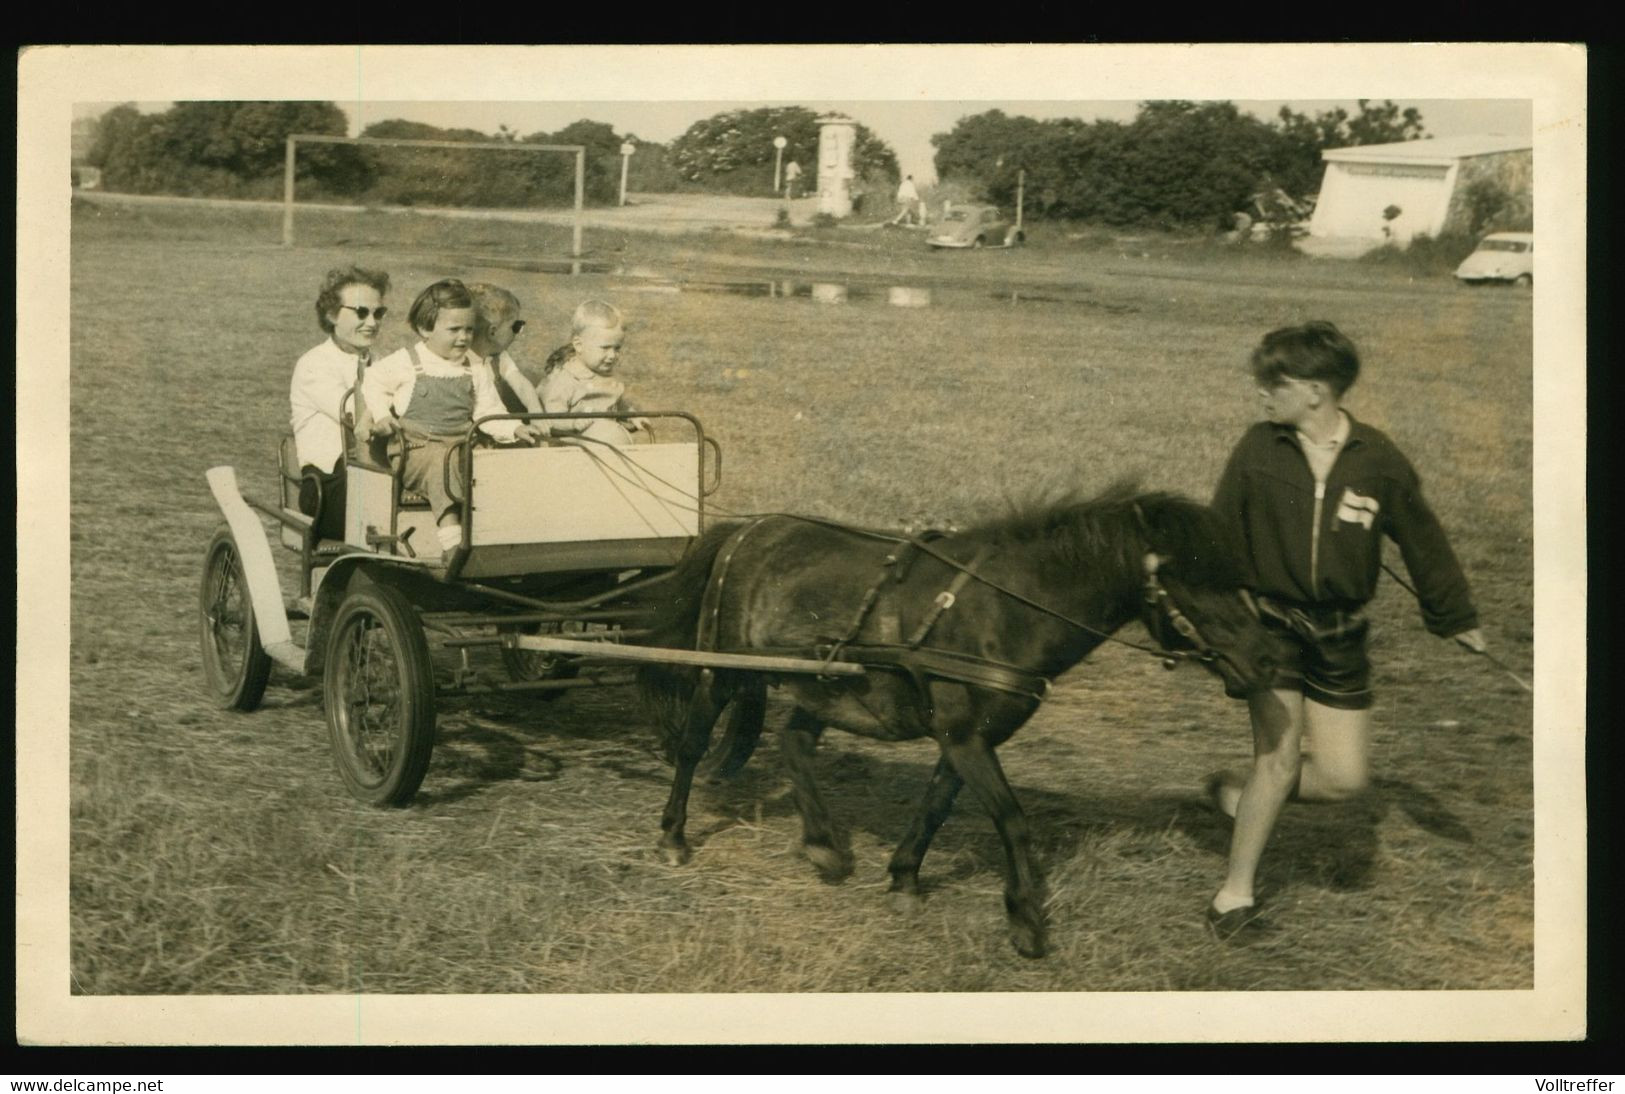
[{"x": 580, "y": 379}]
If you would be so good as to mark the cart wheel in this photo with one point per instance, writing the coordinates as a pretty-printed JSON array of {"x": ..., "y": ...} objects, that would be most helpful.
[
  {"x": 235, "y": 665},
  {"x": 527, "y": 665},
  {"x": 379, "y": 685},
  {"x": 743, "y": 729}
]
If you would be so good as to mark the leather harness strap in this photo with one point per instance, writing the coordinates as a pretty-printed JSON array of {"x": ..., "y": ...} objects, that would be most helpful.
[
  {"x": 705, "y": 632},
  {"x": 945, "y": 599},
  {"x": 923, "y": 665}
]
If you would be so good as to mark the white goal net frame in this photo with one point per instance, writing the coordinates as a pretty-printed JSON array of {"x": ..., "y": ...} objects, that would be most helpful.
[{"x": 296, "y": 139}]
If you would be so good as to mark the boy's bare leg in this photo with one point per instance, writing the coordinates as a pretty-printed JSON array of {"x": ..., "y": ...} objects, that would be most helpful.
[
  {"x": 1278, "y": 722},
  {"x": 1337, "y": 753}
]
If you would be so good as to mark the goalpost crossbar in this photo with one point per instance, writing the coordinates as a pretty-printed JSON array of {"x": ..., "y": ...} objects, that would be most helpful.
[{"x": 295, "y": 139}]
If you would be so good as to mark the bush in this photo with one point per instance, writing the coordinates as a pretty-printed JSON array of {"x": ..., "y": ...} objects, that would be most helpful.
[{"x": 1425, "y": 256}]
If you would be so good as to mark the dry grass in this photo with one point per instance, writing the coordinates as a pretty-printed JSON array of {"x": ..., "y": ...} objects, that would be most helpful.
[{"x": 217, "y": 853}]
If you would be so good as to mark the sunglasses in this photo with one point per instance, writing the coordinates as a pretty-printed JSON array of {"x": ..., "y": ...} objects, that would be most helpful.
[{"x": 362, "y": 312}]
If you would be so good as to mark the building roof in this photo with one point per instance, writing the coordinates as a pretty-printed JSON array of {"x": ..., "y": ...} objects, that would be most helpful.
[{"x": 1436, "y": 149}]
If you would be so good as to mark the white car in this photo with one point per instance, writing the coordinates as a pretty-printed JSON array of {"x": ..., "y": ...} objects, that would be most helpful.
[{"x": 1502, "y": 256}]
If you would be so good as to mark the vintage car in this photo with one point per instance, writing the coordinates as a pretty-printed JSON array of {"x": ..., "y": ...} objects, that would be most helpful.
[
  {"x": 975, "y": 226},
  {"x": 1502, "y": 256}
]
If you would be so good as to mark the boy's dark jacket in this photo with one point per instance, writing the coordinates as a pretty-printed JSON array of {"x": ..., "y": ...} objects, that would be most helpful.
[{"x": 1267, "y": 495}]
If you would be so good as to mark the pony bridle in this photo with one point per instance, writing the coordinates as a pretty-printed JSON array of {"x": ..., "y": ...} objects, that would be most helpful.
[{"x": 1161, "y": 610}]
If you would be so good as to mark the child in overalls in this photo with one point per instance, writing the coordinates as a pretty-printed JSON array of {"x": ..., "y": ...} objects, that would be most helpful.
[{"x": 428, "y": 395}]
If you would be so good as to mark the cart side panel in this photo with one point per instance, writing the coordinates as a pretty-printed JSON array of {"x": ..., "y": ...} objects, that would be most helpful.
[
  {"x": 369, "y": 496},
  {"x": 509, "y": 559},
  {"x": 594, "y": 494}
]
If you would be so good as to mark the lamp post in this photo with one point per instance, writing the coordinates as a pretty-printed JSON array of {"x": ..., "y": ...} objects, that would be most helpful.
[
  {"x": 778, "y": 160},
  {"x": 1021, "y": 187},
  {"x": 626, "y": 160}
]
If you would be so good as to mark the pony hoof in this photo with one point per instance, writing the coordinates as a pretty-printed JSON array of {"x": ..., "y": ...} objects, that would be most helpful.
[
  {"x": 904, "y": 902},
  {"x": 675, "y": 855},
  {"x": 833, "y": 866},
  {"x": 1028, "y": 941}
]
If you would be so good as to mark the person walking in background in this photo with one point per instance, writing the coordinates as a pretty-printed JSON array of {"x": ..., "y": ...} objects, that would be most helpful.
[
  {"x": 1309, "y": 493},
  {"x": 908, "y": 200}
]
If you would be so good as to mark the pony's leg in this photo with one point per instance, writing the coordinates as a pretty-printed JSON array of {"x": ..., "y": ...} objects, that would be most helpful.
[
  {"x": 905, "y": 861},
  {"x": 798, "y": 741},
  {"x": 703, "y": 708},
  {"x": 1023, "y": 887}
]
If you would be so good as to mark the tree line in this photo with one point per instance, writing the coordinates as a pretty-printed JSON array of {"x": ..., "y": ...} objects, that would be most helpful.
[
  {"x": 237, "y": 149},
  {"x": 1177, "y": 164}
]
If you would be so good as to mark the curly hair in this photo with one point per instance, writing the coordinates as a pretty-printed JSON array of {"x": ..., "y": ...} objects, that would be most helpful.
[
  {"x": 334, "y": 284},
  {"x": 1317, "y": 350}
]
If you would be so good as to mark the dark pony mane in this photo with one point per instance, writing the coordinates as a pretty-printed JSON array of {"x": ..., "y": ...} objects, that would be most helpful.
[{"x": 1121, "y": 523}]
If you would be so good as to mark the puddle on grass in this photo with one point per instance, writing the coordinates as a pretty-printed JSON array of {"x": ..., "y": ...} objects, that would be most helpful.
[
  {"x": 567, "y": 267},
  {"x": 1021, "y": 296},
  {"x": 645, "y": 279}
]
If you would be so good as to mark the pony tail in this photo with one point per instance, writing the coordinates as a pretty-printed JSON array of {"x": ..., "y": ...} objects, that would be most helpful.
[
  {"x": 556, "y": 359},
  {"x": 667, "y": 689}
]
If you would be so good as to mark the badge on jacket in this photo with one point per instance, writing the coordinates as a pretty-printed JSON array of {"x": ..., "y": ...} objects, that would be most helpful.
[{"x": 1357, "y": 509}]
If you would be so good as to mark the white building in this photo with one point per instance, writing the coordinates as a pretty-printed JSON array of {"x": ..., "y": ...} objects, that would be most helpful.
[{"x": 1426, "y": 181}]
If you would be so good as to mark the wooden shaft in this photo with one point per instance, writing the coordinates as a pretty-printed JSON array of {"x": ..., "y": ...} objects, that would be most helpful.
[{"x": 664, "y": 656}]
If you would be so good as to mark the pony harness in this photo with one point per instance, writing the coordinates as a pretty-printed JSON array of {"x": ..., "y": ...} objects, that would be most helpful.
[{"x": 919, "y": 662}]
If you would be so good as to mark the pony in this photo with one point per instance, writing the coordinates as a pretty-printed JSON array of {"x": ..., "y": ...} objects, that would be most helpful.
[{"x": 960, "y": 635}]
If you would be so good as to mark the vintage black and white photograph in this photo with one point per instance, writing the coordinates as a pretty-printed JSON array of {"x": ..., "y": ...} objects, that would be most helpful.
[{"x": 760, "y": 545}]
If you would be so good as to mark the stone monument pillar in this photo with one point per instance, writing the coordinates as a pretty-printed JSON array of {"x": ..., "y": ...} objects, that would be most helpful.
[{"x": 836, "y": 135}]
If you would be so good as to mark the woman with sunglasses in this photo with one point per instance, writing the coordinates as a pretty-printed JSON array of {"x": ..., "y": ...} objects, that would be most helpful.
[
  {"x": 497, "y": 323},
  {"x": 349, "y": 308}
]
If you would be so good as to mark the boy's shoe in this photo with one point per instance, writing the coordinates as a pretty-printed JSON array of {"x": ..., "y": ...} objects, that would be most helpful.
[{"x": 1238, "y": 923}]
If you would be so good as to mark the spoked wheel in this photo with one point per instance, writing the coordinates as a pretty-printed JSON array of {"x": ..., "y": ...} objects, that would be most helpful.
[
  {"x": 526, "y": 665},
  {"x": 379, "y": 685},
  {"x": 235, "y": 665}
]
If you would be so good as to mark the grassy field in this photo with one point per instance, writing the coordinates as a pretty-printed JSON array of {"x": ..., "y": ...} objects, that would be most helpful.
[{"x": 218, "y": 853}]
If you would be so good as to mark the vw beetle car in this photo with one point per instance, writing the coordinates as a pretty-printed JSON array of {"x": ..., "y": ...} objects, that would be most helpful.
[
  {"x": 975, "y": 226},
  {"x": 1502, "y": 256}
]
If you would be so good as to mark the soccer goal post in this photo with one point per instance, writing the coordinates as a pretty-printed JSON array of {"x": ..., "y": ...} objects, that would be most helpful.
[{"x": 296, "y": 139}]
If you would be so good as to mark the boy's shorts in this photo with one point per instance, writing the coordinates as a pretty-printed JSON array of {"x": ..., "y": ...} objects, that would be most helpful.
[{"x": 1319, "y": 651}]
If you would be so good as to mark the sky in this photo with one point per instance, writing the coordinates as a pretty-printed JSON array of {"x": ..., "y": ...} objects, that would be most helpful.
[{"x": 907, "y": 126}]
